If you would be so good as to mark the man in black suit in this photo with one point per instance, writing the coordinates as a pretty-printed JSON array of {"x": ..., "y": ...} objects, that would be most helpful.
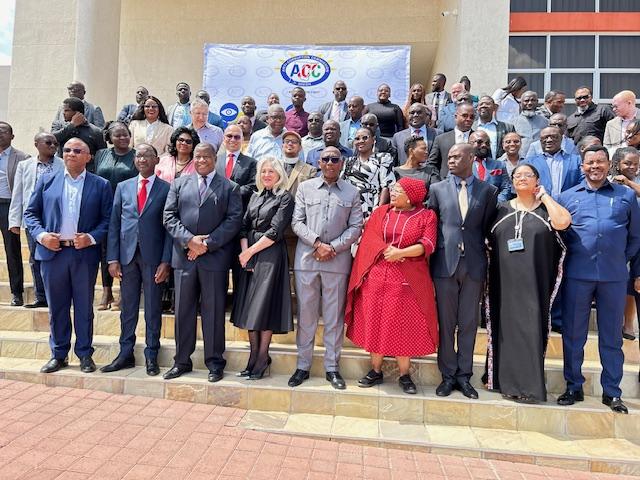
[
  {"x": 466, "y": 208},
  {"x": 494, "y": 128},
  {"x": 465, "y": 115},
  {"x": 419, "y": 118},
  {"x": 203, "y": 214},
  {"x": 248, "y": 107},
  {"x": 235, "y": 165}
]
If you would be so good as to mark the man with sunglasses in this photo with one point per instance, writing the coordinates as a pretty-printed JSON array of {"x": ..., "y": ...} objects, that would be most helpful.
[
  {"x": 327, "y": 220},
  {"x": 337, "y": 108},
  {"x": 558, "y": 120},
  {"x": 589, "y": 118},
  {"x": 27, "y": 175},
  {"x": 68, "y": 216}
]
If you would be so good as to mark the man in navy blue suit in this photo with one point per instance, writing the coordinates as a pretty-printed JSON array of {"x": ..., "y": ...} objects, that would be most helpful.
[
  {"x": 139, "y": 254},
  {"x": 486, "y": 168},
  {"x": 68, "y": 216}
]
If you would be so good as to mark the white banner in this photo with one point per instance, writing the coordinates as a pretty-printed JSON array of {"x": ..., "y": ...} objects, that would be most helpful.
[{"x": 234, "y": 71}]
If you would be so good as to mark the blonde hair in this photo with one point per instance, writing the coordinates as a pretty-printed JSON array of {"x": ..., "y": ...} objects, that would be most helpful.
[{"x": 278, "y": 166}]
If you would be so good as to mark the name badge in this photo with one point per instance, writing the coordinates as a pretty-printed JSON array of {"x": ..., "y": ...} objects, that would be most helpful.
[{"x": 515, "y": 244}]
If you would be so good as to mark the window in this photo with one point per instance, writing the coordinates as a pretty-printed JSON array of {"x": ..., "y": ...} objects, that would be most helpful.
[
  {"x": 521, "y": 6},
  {"x": 605, "y": 63},
  {"x": 619, "y": 6},
  {"x": 573, "y": 5},
  {"x": 528, "y": 6}
]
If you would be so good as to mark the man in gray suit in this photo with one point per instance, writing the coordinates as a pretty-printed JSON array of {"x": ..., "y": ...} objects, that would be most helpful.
[
  {"x": 337, "y": 108},
  {"x": 235, "y": 165},
  {"x": 139, "y": 254},
  {"x": 92, "y": 113},
  {"x": 465, "y": 115},
  {"x": 419, "y": 117},
  {"x": 9, "y": 159},
  {"x": 466, "y": 208},
  {"x": 349, "y": 127},
  {"x": 438, "y": 97},
  {"x": 27, "y": 174},
  {"x": 203, "y": 214},
  {"x": 327, "y": 220}
]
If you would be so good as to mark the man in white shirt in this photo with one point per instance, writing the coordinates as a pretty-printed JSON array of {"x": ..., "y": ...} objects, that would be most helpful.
[{"x": 268, "y": 141}]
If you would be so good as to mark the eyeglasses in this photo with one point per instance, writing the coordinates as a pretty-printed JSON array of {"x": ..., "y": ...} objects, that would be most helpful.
[
  {"x": 77, "y": 151},
  {"x": 330, "y": 159},
  {"x": 526, "y": 175},
  {"x": 151, "y": 107},
  {"x": 188, "y": 141},
  {"x": 582, "y": 97},
  {"x": 50, "y": 142},
  {"x": 232, "y": 137},
  {"x": 145, "y": 155},
  {"x": 291, "y": 141},
  {"x": 559, "y": 125},
  {"x": 363, "y": 137}
]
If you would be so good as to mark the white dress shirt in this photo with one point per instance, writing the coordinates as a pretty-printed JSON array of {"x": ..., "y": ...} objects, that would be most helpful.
[{"x": 461, "y": 137}]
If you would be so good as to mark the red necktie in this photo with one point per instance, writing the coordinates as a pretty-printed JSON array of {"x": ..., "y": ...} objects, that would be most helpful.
[
  {"x": 481, "y": 170},
  {"x": 229, "y": 167},
  {"x": 142, "y": 194}
]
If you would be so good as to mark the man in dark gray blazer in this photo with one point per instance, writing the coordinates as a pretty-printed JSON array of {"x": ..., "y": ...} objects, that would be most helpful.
[
  {"x": 466, "y": 208},
  {"x": 419, "y": 117},
  {"x": 336, "y": 109},
  {"x": 139, "y": 254},
  {"x": 203, "y": 214},
  {"x": 465, "y": 115},
  {"x": 494, "y": 128}
]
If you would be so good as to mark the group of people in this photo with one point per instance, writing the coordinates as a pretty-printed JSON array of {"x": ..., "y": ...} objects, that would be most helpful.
[{"x": 406, "y": 225}]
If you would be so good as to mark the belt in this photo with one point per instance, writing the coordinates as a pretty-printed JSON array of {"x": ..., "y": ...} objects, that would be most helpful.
[
  {"x": 67, "y": 243},
  {"x": 5, "y": 200}
]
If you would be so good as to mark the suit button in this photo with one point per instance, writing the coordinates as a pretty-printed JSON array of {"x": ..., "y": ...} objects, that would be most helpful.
[{"x": 461, "y": 228}]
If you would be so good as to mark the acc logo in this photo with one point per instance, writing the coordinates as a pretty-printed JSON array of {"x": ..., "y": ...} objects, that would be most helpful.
[
  {"x": 229, "y": 111},
  {"x": 305, "y": 70}
]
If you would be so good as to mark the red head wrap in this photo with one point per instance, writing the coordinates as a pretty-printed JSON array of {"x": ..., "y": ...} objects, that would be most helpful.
[{"x": 416, "y": 190}]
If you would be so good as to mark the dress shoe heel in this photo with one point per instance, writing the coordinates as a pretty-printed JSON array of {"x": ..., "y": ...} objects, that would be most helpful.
[
  {"x": 570, "y": 397},
  {"x": 257, "y": 375}
]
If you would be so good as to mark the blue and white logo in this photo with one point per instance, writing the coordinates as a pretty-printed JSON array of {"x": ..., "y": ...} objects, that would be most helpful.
[
  {"x": 305, "y": 70},
  {"x": 229, "y": 111}
]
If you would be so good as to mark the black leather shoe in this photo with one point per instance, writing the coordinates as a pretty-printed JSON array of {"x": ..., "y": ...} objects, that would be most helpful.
[
  {"x": 153, "y": 368},
  {"x": 215, "y": 375},
  {"x": 298, "y": 377},
  {"x": 615, "y": 404},
  {"x": 467, "y": 390},
  {"x": 407, "y": 384},
  {"x": 37, "y": 304},
  {"x": 16, "y": 301},
  {"x": 119, "y": 364},
  {"x": 370, "y": 379},
  {"x": 445, "y": 388},
  {"x": 175, "y": 372},
  {"x": 570, "y": 397},
  {"x": 87, "y": 365},
  {"x": 336, "y": 380},
  {"x": 54, "y": 365}
]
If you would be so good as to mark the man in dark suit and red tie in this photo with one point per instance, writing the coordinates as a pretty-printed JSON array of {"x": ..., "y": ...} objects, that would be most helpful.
[
  {"x": 203, "y": 214},
  {"x": 68, "y": 216},
  {"x": 139, "y": 254}
]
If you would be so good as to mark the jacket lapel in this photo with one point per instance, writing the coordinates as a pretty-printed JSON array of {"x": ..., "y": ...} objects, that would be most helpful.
[
  {"x": 294, "y": 174},
  {"x": 209, "y": 191},
  {"x": 87, "y": 192},
  {"x": 454, "y": 195},
  {"x": 151, "y": 195}
]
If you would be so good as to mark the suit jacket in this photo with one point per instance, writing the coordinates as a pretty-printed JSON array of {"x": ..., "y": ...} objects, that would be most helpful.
[
  {"x": 399, "y": 138},
  {"x": 454, "y": 232},
  {"x": 44, "y": 213},
  {"x": 325, "y": 110},
  {"x": 92, "y": 113},
  {"x": 219, "y": 216},
  {"x": 160, "y": 139},
  {"x": 502, "y": 128},
  {"x": 258, "y": 125},
  {"x": 88, "y": 133},
  {"x": 15, "y": 157},
  {"x": 130, "y": 230},
  {"x": 301, "y": 171},
  {"x": 243, "y": 173},
  {"x": 344, "y": 133},
  {"x": 440, "y": 150},
  {"x": 171, "y": 111},
  {"x": 445, "y": 97},
  {"x": 496, "y": 174},
  {"x": 23, "y": 185},
  {"x": 613, "y": 134},
  {"x": 572, "y": 173}
]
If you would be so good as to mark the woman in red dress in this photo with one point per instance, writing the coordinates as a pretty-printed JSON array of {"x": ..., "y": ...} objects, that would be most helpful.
[{"x": 391, "y": 306}]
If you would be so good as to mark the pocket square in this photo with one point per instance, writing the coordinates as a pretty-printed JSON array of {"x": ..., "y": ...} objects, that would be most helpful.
[{"x": 495, "y": 172}]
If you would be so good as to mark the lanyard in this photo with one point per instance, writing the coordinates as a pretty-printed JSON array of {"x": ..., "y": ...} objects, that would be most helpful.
[{"x": 519, "y": 220}]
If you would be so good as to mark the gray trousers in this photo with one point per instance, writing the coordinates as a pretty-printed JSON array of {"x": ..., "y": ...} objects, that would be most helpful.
[
  {"x": 457, "y": 299},
  {"x": 311, "y": 288}
]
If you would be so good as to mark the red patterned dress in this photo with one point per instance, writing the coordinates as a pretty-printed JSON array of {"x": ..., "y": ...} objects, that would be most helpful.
[{"x": 391, "y": 305}]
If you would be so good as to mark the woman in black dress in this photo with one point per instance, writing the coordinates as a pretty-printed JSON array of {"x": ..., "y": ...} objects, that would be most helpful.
[
  {"x": 416, "y": 164},
  {"x": 263, "y": 301},
  {"x": 525, "y": 250},
  {"x": 390, "y": 116}
]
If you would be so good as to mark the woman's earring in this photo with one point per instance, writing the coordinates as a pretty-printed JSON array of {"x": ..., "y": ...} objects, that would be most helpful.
[{"x": 408, "y": 202}]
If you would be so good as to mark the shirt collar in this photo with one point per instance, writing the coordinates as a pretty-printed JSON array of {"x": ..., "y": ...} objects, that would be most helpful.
[
  {"x": 493, "y": 120},
  {"x": 78, "y": 178},
  {"x": 6, "y": 151},
  {"x": 150, "y": 178},
  {"x": 458, "y": 179},
  {"x": 585, "y": 186},
  {"x": 323, "y": 184}
]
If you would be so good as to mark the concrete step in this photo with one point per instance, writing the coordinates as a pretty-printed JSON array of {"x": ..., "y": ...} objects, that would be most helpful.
[
  {"x": 589, "y": 419},
  {"x": 108, "y": 323},
  {"x": 611, "y": 455},
  {"x": 354, "y": 363},
  {"x": 28, "y": 278},
  {"x": 24, "y": 250}
]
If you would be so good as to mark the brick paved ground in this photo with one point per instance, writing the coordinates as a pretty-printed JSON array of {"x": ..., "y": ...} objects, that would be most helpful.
[{"x": 66, "y": 433}]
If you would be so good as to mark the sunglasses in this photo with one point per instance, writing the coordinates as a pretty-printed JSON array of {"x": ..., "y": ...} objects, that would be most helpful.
[
  {"x": 77, "y": 151},
  {"x": 582, "y": 97},
  {"x": 50, "y": 142},
  {"x": 232, "y": 137},
  {"x": 363, "y": 137},
  {"x": 330, "y": 159},
  {"x": 340, "y": 88},
  {"x": 188, "y": 141}
]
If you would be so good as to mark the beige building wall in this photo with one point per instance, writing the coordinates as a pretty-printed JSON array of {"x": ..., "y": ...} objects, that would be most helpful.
[
  {"x": 5, "y": 71},
  {"x": 114, "y": 46}
]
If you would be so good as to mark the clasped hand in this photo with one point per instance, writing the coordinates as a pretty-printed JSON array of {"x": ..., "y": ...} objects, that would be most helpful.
[
  {"x": 324, "y": 252},
  {"x": 393, "y": 254},
  {"x": 197, "y": 246}
]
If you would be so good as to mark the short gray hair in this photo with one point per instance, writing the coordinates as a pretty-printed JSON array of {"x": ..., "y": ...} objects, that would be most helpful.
[
  {"x": 199, "y": 103},
  {"x": 278, "y": 166}
]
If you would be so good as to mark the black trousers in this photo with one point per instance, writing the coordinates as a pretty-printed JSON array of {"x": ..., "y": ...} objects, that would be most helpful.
[{"x": 12, "y": 250}]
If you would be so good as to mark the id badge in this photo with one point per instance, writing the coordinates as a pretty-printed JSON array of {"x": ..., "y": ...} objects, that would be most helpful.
[{"x": 515, "y": 244}]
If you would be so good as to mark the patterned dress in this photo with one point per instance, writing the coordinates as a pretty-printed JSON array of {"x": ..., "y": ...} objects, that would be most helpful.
[
  {"x": 387, "y": 318},
  {"x": 370, "y": 178}
]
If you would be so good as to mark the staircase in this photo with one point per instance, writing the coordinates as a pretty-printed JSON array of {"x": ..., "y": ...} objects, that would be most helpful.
[{"x": 586, "y": 436}]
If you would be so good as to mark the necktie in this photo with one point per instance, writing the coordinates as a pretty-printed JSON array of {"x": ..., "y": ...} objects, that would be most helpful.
[
  {"x": 482, "y": 172},
  {"x": 142, "y": 194},
  {"x": 203, "y": 186},
  {"x": 463, "y": 199},
  {"x": 335, "y": 112},
  {"x": 417, "y": 133},
  {"x": 436, "y": 103},
  {"x": 229, "y": 167}
]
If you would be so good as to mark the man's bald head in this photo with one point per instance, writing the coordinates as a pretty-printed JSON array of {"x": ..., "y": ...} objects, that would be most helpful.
[{"x": 624, "y": 104}]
